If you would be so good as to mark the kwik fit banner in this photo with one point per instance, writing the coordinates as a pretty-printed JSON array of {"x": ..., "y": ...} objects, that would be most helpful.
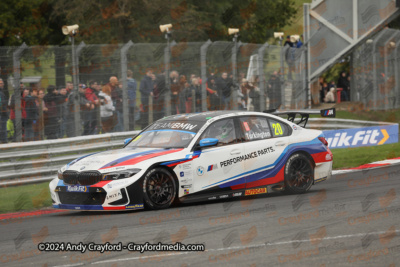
[{"x": 366, "y": 136}]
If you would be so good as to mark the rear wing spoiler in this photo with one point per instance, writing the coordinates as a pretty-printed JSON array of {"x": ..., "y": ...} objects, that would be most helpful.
[{"x": 305, "y": 114}]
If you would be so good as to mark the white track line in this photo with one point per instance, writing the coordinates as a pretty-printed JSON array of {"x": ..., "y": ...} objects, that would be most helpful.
[{"x": 242, "y": 247}]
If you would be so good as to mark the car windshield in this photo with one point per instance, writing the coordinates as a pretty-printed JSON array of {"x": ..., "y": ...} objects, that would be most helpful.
[
  {"x": 166, "y": 133},
  {"x": 163, "y": 139}
]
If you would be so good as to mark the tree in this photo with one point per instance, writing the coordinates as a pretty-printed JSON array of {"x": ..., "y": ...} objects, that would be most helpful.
[
  {"x": 117, "y": 21},
  {"x": 26, "y": 21}
]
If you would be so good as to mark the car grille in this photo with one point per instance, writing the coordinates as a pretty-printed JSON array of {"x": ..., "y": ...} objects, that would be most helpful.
[
  {"x": 77, "y": 198},
  {"x": 82, "y": 178}
]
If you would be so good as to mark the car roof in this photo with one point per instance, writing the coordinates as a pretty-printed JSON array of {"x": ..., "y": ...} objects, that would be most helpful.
[{"x": 205, "y": 116}]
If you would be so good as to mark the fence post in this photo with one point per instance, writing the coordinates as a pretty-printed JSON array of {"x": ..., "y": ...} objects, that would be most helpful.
[
  {"x": 124, "y": 68},
  {"x": 397, "y": 76},
  {"x": 261, "y": 75},
  {"x": 151, "y": 98},
  {"x": 41, "y": 119},
  {"x": 234, "y": 99},
  {"x": 167, "y": 62},
  {"x": 375, "y": 76},
  {"x": 193, "y": 101},
  {"x": 75, "y": 77},
  {"x": 17, "y": 91},
  {"x": 203, "y": 62}
]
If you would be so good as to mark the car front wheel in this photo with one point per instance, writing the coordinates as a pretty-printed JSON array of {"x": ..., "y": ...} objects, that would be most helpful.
[
  {"x": 159, "y": 188},
  {"x": 299, "y": 174}
]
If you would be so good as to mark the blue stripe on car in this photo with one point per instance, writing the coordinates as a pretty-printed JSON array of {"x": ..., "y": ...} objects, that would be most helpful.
[{"x": 311, "y": 147}]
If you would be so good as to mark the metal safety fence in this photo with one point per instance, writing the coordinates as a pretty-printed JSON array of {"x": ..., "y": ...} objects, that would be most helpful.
[
  {"x": 52, "y": 94},
  {"x": 375, "y": 69}
]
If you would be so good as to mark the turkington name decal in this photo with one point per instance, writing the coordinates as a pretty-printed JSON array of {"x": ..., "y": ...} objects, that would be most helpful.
[{"x": 248, "y": 156}]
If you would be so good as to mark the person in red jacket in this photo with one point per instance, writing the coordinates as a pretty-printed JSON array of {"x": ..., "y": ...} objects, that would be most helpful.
[
  {"x": 24, "y": 93},
  {"x": 90, "y": 124}
]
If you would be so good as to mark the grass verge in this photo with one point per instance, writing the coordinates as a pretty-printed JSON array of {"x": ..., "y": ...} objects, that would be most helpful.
[
  {"x": 354, "y": 157},
  {"x": 36, "y": 196},
  {"x": 24, "y": 198}
]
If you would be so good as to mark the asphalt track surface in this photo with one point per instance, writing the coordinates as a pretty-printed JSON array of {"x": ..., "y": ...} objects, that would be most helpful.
[{"x": 350, "y": 220}]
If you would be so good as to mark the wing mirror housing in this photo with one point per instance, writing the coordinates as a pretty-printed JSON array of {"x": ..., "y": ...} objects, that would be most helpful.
[
  {"x": 127, "y": 140},
  {"x": 208, "y": 142}
]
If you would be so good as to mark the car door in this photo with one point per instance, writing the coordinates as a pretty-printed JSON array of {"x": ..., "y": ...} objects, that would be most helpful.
[
  {"x": 267, "y": 139},
  {"x": 217, "y": 168}
]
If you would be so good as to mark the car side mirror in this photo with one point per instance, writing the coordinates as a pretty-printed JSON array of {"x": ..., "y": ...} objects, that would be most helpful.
[
  {"x": 127, "y": 140},
  {"x": 206, "y": 142}
]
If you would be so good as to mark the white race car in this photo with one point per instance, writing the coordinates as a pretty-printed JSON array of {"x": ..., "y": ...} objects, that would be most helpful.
[{"x": 196, "y": 157}]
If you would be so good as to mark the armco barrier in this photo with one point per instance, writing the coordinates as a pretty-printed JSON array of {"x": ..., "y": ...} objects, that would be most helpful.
[{"x": 33, "y": 162}]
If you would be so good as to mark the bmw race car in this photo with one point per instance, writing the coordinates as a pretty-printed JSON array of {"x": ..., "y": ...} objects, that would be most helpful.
[{"x": 196, "y": 157}]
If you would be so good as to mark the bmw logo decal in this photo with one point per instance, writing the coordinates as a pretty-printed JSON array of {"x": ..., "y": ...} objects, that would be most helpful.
[{"x": 200, "y": 171}]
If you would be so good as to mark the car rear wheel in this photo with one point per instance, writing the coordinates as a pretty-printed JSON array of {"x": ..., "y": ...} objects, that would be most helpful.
[
  {"x": 159, "y": 188},
  {"x": 299, "y": 174}
]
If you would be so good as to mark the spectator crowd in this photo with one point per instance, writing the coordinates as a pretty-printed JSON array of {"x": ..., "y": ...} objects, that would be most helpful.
[
  {"x": 328, "y": 90},
  {"x": 50, "y": 113}
]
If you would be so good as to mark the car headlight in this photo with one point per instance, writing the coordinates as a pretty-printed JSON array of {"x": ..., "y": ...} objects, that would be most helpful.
[
  {"x": 120, "y": 174},
  {"x": 60, "y": 175}
]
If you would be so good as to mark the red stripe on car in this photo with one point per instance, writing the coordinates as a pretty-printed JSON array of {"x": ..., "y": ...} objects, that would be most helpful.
[{"x": 142, "y": 158}]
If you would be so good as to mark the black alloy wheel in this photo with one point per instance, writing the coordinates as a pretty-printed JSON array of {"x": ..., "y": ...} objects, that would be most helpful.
[
  {"x": 299, "y": 174},
  {"x": 159, "y": 188}
]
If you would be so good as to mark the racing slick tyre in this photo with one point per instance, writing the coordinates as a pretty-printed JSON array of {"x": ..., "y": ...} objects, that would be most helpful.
[
  {"x": 299, "y": 174},
  {"x": 159, "y": 189}
]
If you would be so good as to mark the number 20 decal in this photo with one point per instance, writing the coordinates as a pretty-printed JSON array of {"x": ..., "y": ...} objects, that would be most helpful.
[{"x": 278, "y": 129}]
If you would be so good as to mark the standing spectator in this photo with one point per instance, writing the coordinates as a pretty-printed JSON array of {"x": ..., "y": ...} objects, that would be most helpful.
[
  {"x": 288, "y": 41},
  {"x": 62, "y": 109},
  {"x": 11, "y": 103},
  {"x": 324, "y": 90},
  {"x": 299, "y": 43},
  {"x": 131, "y": 87},
  {"x": 32, "y": 114},
  {"x": 187, "y": 93},
  {"x": 90, "y": 94},
  {"x": 191, "y": 78},
  {"x": 181, "y": 95},
  {"x": 212, "y": 93},
  {"x": 146, "y": 90},
  {"x": 69, "y": 87},
  {"x": 40, "y": 122},
  {"x": 116, "y": 96},
  {"x": 3, "y": 113},
  {"x": 85, "y": 108},
  {"x": 175, "y": 90},
  {"x": 244, "y": 87},
  {"x": 344, "y": 83},
  {"x": 332, "y": 84},
  {"x": 197, "y": 90},
  {"x": 330, "y": 96},
  {"x": 274, "y": 90},
  {"x": 108, "y": 120},
  {"x": 224, "y": 85},
  {"x": 51, "y": 121},
  {"x": 254, "y": 94}
]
